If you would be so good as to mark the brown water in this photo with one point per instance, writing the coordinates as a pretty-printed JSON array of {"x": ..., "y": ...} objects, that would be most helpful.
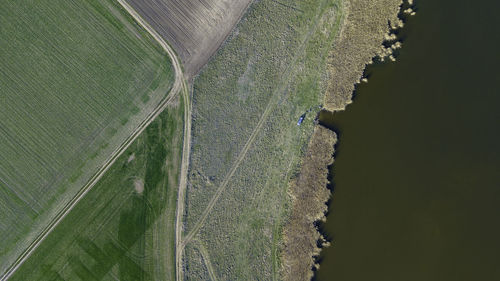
[{"x": 417, "y": 171}]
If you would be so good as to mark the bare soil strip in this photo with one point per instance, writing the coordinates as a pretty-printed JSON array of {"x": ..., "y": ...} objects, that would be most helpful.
[
  {"x": 97, "y": 176},
  {"x": 181, "y": 193},
  {"x": 179, "y": 83}
]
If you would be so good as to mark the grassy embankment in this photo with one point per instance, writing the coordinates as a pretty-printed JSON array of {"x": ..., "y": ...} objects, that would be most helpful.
[
  {"x": 123, "y": 229},
  {"x": 75, "y": 79},
  {"x": 246, "y": 142},
  {"x": 365, "y": 34}
]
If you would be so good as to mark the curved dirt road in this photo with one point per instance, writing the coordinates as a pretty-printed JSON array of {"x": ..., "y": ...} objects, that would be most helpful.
[
  {"x": 177, "y": 86},
  {"x": 181, "y": 193}
]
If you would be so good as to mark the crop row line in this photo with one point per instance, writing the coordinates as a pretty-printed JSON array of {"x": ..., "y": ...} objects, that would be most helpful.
[{"x": 178, "y": 84}]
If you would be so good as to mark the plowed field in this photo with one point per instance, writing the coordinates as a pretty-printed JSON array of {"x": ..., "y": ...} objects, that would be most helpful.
[{"x": 195, "y": 28}]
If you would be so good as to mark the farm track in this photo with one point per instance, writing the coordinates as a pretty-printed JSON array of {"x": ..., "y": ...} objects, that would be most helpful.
[
  {"x": 181, "y": 193},
  {"x": 177, "y": 86},
  {"x": 273, "y": 101},
  {"x": 206, "y": 259},
  {"x": 195, "y": 29}
]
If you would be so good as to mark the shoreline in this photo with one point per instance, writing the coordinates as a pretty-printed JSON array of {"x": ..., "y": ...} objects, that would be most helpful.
[
  {"x": 308, "y": 192},
  {"x": 311, "y": 192}
]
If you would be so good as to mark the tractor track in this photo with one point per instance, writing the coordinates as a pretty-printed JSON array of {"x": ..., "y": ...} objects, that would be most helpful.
[{"x": 178, "y": 85}]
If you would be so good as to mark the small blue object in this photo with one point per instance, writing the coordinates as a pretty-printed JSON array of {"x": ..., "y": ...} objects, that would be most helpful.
[{"x": 301, "y": 119}]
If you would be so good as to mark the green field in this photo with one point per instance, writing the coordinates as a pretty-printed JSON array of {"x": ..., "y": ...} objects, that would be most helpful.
[
  {"x": 246, "y": 145},
  {"x": 123, "y": 229},
  {"x": 76, "y": 77}
]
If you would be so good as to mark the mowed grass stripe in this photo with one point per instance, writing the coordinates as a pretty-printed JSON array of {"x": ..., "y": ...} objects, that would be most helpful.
[{"x": 76, "y": 77}]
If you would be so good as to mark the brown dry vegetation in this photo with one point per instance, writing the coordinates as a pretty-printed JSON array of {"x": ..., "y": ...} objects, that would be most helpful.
[
  {"x": 308, "y": 192},
  {"x": 194, "y": 28},
  {"x": 365, "y": 27}
]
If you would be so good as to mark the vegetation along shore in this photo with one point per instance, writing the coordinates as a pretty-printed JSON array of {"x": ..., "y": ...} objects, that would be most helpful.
[
  {"x": 214, "y": 169},
  {"x": 367, "y": 32}
]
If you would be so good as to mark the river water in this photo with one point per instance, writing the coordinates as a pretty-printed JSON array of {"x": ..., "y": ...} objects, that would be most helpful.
[{"x": 417, "y": 174}]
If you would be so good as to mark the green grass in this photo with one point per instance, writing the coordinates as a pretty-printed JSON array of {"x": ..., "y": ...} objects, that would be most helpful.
[
  {"x": 76, "y": 77},
  {"x": 114, "y": 231},
  {"x": 273, "y": 69}
]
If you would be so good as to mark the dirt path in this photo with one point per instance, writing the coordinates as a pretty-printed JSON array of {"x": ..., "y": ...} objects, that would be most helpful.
[
  {"x": 206, "y": 259},
  {"x": 273, "y": 101},
  {"x": 181, "y": 86},
  {"x": 229, "y": 175},
  {"x": 177, "y": 86},
  {"x": 181, "y": 193}
]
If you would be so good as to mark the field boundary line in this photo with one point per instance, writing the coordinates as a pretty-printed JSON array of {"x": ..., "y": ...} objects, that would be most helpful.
[
  {"x": 187, "y": 137},
  {"x": 178, "y": 83},
  {"x": 181, "y": 193}
]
